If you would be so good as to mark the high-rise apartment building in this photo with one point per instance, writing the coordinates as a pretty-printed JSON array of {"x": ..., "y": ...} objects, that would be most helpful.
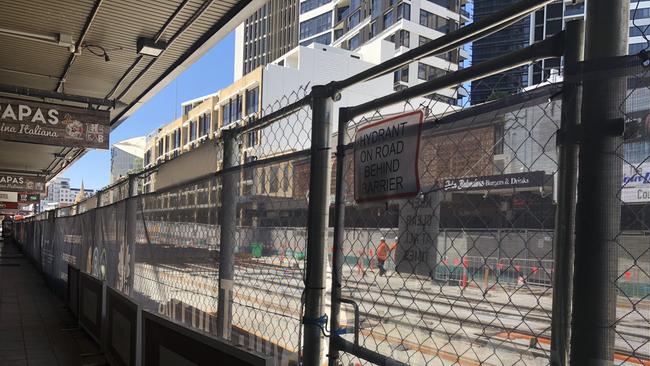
[
  {"x": 266, "y": 35},
  {"x": 382, "y": 29},
  {"x": 534, "y": 28},
  {"x": 377, "y": 30},
  {"x": 60, "y": 194}
]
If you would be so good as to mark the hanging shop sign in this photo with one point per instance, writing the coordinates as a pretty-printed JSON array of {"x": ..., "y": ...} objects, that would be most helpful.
[
  {"x": 8, "y": 196},
  {"x": 21, "y": 183},
  {"x": 386, "y": 158},
  {"x": 51, "y": 124},
  {"x": 28, "y": 197},
  {"x": 516, "y": 180},
  {"x": 9, "y": 205}
]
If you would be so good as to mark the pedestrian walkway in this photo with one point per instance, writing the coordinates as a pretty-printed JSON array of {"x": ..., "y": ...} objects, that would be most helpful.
[{"x": 36, "y": 328}]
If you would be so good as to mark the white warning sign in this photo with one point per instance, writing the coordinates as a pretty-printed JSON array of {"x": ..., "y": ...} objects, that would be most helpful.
[{"x": 386, "y": 158}]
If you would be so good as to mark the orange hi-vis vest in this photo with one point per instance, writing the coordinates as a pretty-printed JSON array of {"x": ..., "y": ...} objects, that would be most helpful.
[{"x": 383, "y": 251}]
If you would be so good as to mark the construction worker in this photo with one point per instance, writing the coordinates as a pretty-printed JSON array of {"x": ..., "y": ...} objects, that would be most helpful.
[{"x": 383, "y": 252}]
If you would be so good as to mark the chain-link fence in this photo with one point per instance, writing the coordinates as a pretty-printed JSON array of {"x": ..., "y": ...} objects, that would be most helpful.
[
  {"x": 461, "y": 273},
  {"x": 631, "y": 273},
  {"x": 440, "y": 238}
]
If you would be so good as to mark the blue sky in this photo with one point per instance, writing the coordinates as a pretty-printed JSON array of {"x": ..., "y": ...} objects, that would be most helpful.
[{"x": 210, "y": 73}]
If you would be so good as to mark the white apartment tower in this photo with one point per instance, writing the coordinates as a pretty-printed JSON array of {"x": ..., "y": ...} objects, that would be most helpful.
[{"x": 378, "y": 30}]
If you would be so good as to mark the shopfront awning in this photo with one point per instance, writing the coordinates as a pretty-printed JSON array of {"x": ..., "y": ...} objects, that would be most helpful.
[{"x": 106, "y": 56}]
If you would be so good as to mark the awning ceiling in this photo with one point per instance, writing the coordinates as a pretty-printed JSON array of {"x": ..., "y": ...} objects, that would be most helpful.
[{"x": 37, "y": 36}]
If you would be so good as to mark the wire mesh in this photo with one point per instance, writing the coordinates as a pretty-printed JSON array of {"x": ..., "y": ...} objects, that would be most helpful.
[
  {"x": 479, "y": 289},
  {"x": 632, "y": 273},
  {"x": 176, "y": 250},
  {"x": 270, "y": 232}
]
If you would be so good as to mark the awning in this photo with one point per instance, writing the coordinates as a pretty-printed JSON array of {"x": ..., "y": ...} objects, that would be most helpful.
[{"x": 100, "y": 55}]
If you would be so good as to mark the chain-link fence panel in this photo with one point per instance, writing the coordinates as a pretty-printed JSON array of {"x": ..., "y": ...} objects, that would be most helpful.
[
  {"x": 270, "y": 231},
  {"x": 176, "y": 253},
  {"x": 460, "y": 272},
  {"x": 632, "y": 251}
]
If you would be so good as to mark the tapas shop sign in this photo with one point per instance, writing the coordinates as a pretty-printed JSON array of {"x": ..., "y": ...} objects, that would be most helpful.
[
  {"x": 21, "y": 183},
  {"x": 386, "y": 158},
  {"x": 51, "y": 124}
]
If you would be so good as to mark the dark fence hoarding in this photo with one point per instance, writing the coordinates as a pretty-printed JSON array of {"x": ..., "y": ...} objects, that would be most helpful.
[{"x": 52, "y": 124}]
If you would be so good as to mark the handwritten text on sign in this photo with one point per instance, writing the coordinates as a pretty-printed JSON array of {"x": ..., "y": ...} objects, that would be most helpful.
[{"x": 386, "y": 158}]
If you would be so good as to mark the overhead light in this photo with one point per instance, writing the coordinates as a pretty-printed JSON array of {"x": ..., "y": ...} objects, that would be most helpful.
[{"x": 147, "y": 46}]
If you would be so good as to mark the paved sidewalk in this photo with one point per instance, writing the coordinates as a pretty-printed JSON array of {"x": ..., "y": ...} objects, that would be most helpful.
[{"x": 35, "y": 326}]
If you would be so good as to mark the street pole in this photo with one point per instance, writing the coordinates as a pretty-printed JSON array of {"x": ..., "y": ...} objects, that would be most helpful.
[
  {"x": 598, "y": 210},
  {"x": 339, "y": 237},
  {"x": 317, "y": 223},
  {"x": 229, "y": 193},
  {"x": 566, "y": 196}
]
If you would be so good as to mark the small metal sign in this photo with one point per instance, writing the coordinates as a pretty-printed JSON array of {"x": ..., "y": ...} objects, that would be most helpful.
[
  {"x": 419, "y": 224},
  {"x": 21, "y": 183},
  {"x": 51, "y": 124},
  {"x": 386, "y": 158}
]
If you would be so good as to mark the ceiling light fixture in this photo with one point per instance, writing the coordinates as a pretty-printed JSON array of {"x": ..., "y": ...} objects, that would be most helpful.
[{"x": 147, "y": 46}]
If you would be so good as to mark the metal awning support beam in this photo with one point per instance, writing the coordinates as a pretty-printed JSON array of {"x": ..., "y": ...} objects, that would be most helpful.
[
  {"x": 80, "y": 42},
  {"x": 39, "y": 93}
]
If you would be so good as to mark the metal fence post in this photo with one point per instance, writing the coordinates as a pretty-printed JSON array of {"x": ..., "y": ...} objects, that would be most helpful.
[
  {"x": 339, "y": 237},
  {"x": 130, "y": 227},
  {"x": 228, "y": 213},
  {"x": 598, "y": 210},
  {"x": 97, "y": 231},
  {"x": 317, "y": 223},
  {"x": 566, "y": 200}
]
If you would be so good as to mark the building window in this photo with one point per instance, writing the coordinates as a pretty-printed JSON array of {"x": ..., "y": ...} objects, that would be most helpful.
[
  {"x": 232, "y": 110},
  {"x": 388, "y": 19},
  {"x": 637, "y": 47},
  {"x": 187, "y": 109},
  {"x": 252, "y": 139},
  {"x": 308, "y": 5},
  {"x": 274, "y": 184},
  {"x": 438, "y": 23},
  {"x": 315, "y": 25},
  {"x": 192, "y": 130},
  {"x": 638, "y": 31},
  {"x": 402, "y": 39},
  {"x": 262, "y": 180},
  {"x": 167, "y": 144},
  {"x": 373, "y": 30},
  {"x": 427, "y": 72},
  {"x": 354, "y": 19},
  {"x": 225, "y": 112},
  {"x": 204, "y": 124},
  {"x": 161, "y": 148},
  {"x": 285, "y": 179},
  {"x": 444, "y": 3},
  {"x": 404, "y": 11},
  {"x": 325, "y": 38},
  {"x": 252, "y": 100},
  {"x": 423, "y": 40},
  {"x": 499, "y": 132},
  {"x": 376, "y": 8},
  {"x": 639, "y": 13},
  {"x": 354, "y": 42},
  {"x": 401, "y": 75}
]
